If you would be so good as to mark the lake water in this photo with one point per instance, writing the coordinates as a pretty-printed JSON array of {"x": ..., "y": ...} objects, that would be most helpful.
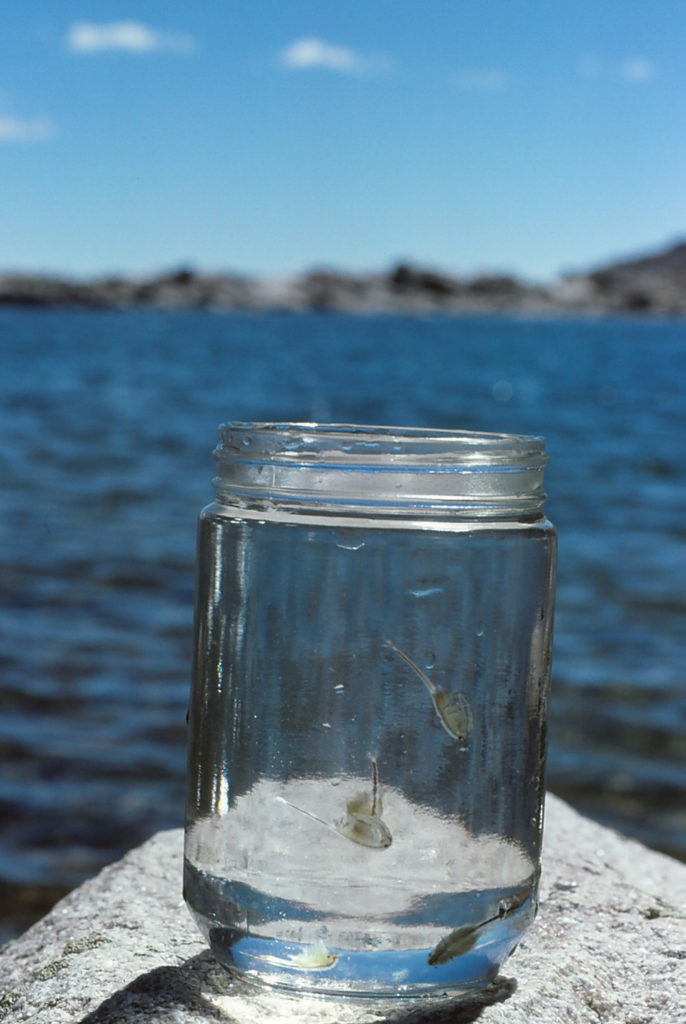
[{"x": 107, "y": 422}]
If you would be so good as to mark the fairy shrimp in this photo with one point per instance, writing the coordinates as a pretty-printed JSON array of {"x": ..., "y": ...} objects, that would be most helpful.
[
  {"x": 452, "y": 709},
  {"x": 361, "y": 823},
  {"x": 317, "y": 957},
  {"x": 461, "y": 940}
]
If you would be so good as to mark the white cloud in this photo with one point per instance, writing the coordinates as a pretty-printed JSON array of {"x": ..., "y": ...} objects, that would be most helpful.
[
  {"x": 632, "y": 69},
  {"x": 16, "y": 129},
  {"x": 127, "y": 36},
  {"x": 637, "y": 69},
  {"x": 486, "y": 80},
  {"x": 309, "y": 52}
]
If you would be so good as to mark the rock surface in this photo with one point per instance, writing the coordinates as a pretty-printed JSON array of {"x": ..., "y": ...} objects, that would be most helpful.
[
  {"x": 609, "y": 944},
  {"x": 649, "y": 284}
]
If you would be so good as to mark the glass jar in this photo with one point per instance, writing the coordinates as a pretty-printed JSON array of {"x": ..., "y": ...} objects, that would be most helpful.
[{"x": 373, "y": 629}]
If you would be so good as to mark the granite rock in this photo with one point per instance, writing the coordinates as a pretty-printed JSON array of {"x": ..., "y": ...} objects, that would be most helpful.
[{"x": 609, "y": 944}]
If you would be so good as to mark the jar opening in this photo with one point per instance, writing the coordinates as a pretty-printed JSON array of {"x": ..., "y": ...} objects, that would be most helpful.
[{"x": 326, "y": 467}]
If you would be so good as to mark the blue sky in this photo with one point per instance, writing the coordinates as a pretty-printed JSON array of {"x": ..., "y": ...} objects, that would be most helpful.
[{"x": 271, "y": 136}]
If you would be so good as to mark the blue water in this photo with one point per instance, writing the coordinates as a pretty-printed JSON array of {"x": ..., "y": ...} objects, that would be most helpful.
[{"x": 107, "y": 421}]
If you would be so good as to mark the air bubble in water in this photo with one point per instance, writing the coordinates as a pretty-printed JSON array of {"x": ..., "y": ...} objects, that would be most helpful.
[{"x": 426, "y": 591}]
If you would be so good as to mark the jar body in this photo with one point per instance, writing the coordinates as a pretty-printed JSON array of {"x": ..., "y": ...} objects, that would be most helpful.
[{"x": 367, "y": 745}]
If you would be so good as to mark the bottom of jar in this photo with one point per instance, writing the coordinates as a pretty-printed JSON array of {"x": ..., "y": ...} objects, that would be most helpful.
[{"x": 406, "y": 974}]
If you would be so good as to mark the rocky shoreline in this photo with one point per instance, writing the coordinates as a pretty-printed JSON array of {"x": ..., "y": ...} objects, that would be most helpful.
[{"x": 652, "y": 284}]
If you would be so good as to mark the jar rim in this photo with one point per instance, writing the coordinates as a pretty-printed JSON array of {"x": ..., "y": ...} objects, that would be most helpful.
[
  {"x": 375, "y": 443},
  {"x": 389, "y": 469}
]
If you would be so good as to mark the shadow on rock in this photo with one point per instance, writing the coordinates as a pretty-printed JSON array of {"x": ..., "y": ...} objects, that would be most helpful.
[
  {"x": 462, "y": 1010},
  {"x": 201, "y": 990},
  {"x": 152, "y": 995}
]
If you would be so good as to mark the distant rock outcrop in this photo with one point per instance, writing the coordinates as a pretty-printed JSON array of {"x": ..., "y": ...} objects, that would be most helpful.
[
  {"x": 652, "y": 283},
  {"x": 649, "y": 284}
]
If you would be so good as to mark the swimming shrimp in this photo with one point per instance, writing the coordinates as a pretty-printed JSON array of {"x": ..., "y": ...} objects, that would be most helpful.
[
  {"x": 362, "y": 823},
  {"x": 314, "y": 958},
  {"x": 461, "y": 940},
  {"x": 452, "y": 709},
  {"x": 317, "y": 957}
]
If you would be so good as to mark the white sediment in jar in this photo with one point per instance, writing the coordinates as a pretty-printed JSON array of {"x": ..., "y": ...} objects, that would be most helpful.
[{"x": 267, "y": 844}]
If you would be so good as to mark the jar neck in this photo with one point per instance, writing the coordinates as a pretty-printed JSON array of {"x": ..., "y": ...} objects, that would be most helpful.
[{"x": 334, "y": 469}]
